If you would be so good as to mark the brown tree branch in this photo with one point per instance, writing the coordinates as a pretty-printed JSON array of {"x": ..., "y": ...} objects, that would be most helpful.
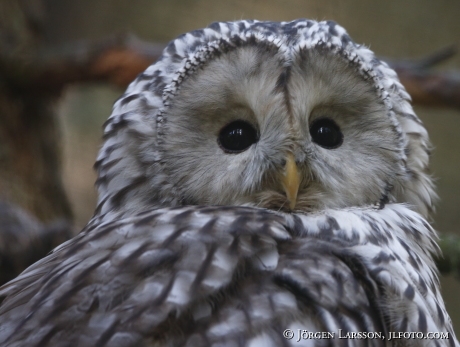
[
  {"x": 427, "y": 87},
  {"x": 117, "y": 60}
]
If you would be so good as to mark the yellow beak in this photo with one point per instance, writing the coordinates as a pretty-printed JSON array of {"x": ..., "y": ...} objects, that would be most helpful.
[{"x": 291, "y": 180}]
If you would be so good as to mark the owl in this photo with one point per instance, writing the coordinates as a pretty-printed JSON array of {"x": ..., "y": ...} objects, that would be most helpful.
[{"x": 261, "y": 184}]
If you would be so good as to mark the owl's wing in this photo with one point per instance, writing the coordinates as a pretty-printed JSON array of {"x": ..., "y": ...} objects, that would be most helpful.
[{"x": 200, "y": 276}]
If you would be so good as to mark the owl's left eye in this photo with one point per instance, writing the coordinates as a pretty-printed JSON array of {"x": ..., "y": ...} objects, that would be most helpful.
[
  {"x": 237, "y": 137},
  {"x": 326, "y": 133}
]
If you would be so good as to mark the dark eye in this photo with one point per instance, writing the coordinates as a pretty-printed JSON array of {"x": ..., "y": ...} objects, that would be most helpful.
[
  {"x": 237, "y": 136},
  {"x": 326, "y": 133}
]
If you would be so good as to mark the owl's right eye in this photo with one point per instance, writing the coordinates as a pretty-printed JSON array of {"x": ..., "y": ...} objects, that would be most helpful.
[{"x": 237, "y": 137}]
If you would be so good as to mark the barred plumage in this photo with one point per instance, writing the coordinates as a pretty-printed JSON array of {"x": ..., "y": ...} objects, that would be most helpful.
[{"x": 211, "y": 275}]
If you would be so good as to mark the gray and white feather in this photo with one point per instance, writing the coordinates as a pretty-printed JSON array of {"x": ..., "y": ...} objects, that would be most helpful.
[{"x": 260, "y": 176}]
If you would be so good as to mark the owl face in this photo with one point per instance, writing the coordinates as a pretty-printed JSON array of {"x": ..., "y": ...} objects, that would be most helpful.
[
  {"x": 289, "y": 116},
  {"x": 250, "y": 128}
]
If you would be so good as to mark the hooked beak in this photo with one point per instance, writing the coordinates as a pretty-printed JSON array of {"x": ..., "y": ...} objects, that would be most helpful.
[{"x": 291, "y": 180}]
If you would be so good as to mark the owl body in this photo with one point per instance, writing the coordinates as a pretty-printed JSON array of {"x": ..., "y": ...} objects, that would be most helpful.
[{"x": 260, "y": 179}]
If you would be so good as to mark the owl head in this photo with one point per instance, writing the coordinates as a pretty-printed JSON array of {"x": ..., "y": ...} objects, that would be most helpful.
[{"x": 291, "y": 116}]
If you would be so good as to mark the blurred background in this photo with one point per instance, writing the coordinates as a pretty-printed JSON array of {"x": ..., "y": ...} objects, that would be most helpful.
[{"x": 394, "y": 29}]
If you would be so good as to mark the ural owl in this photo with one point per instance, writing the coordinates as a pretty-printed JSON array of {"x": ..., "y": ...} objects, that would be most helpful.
[{"x": 259, "y": 177}]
